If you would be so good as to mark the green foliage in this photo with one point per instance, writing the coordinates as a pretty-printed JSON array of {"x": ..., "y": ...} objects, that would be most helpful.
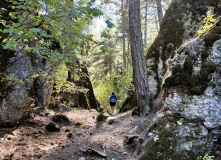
[
  {"x": 209, "y": 22},
  {"x": 39, "y": 26},
  {"x": 206, "y": 157},
  {"x": 118, "y": 84},
  {"x": 60, "y": 77}
]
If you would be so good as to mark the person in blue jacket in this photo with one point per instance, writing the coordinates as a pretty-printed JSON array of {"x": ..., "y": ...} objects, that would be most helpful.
[{"x": 113, "y": 100}]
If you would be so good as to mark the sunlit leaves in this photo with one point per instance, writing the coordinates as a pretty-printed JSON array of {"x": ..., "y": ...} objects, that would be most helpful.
[
  {"x": 209, "y": 22},
  {"x": 51, "y": 18}
]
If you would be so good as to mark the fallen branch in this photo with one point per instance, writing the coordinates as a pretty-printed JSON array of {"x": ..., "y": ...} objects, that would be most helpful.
[{"x": 90, "y": 150}]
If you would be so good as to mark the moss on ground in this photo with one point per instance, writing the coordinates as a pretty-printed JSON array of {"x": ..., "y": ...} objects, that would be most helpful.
[
  {"x": 111, "y": 121},
  {"x": 80, "y": 123},
  {"x": 52, "y": 127},
  {"x": 102, "y": 116},
  {"x": 60, "y": 118}
]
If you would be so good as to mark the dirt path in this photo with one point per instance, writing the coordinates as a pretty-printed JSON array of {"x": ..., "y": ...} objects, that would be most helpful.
[{"x": 32, "y": 141}]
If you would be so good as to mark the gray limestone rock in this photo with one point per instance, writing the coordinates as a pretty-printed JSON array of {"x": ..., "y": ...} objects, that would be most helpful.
[{"x": 15, "y": 100}]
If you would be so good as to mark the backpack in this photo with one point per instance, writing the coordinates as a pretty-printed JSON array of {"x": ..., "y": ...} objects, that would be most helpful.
[{"x": 113, "y": 98}]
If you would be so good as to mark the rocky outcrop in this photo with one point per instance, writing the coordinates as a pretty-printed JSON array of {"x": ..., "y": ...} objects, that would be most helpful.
[
  {"x": 15, "y": 68},
  {"x": 178, "y": 26},
  {"x": 85, "y": 82},
  {"x": 17, "y": 90},
  {"x": 83, "y": 94},
  {"x": 43, "y": 85},
  {"x": 130, "y": 102},
  {"x": 15, "y": 96},
  {"x": 189, "y": 125}
]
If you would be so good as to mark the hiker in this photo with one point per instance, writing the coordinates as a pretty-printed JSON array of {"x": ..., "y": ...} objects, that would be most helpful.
[{"x": 113, "y": 100}]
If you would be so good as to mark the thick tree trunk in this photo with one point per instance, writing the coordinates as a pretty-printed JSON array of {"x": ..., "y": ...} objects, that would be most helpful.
[
  {"x": 138, "y": 60},
  {"x": 145, "y": 25},
  {"x": 159, "y": 11},
  {"x": 123, "y": 31}
]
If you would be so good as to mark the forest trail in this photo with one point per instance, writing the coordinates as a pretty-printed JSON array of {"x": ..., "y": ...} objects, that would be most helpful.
[{"x": 31, "y": 141}]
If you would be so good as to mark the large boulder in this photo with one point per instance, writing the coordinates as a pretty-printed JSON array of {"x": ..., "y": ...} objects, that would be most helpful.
[
  {"x": 16, "y": 94},
  {"x": 83, "y": 96},
  {"x": 15, "y": 68},
  {"x": 178, "y": 26},
  {"x": 86, "y": 83},
  {"x": 190, "y": 123},
  {"x": 130, "y": 102}
]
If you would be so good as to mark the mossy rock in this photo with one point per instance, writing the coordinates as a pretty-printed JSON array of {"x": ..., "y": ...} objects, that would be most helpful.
[
  {"x": 52, "y": 127},
  {"x": 80, "y": 123},
  {"x": 102, "y": 117},
  {"x": 101, "y": 109},
  {"x": 212, "y": 36},
  {"x": 195, "y": 84},
  {"x": 161, "y": 149},
  {"x": 111, "y": 121},
  {"x": 60, "y": 118},
  {"x": 70, "y": 135},
  {"x": 68, "y": 130},
  {"x": 210, "y": 67},
  {"x": 53, "y": 106}
]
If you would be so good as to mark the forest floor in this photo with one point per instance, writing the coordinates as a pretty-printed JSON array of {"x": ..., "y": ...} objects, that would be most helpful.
[{"x": 30, "y": 140}]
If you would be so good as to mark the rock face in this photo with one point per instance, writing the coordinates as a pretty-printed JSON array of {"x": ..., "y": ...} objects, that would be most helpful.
[
  {"x": 85, "y": 82},
  {"x": 130, "y": 102},
  {"x": 14, "y": 93},
  {"x": 42, "y": 86},
  {"x": 191, "y": 121},
  {"x": 178, "y": 26},
  {"x": 15, "y": 101}
]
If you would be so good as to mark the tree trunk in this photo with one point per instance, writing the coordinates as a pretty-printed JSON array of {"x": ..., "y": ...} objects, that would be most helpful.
[
  {"x": 138, "y": 60},
  {"x": 145, "y": 25},
  {"x": 159, "y": 11},
  {"x": 157, "y": 24},
  {"x": 123, "y": 31}
]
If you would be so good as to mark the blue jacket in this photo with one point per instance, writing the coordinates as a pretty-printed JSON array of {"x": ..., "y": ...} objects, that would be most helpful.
[{"x": 113, "y": 98}]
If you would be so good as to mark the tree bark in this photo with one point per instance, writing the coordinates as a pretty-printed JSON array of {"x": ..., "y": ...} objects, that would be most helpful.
[
  {"x": 145, "y": 25},
  {"x": 159, "y": 11},
  {"x": 138, "y": 60},
  {"x": 123, "y": 31}
]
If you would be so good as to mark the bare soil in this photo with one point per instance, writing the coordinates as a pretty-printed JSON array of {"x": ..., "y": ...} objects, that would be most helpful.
[{"x": 30, "y": 140}]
